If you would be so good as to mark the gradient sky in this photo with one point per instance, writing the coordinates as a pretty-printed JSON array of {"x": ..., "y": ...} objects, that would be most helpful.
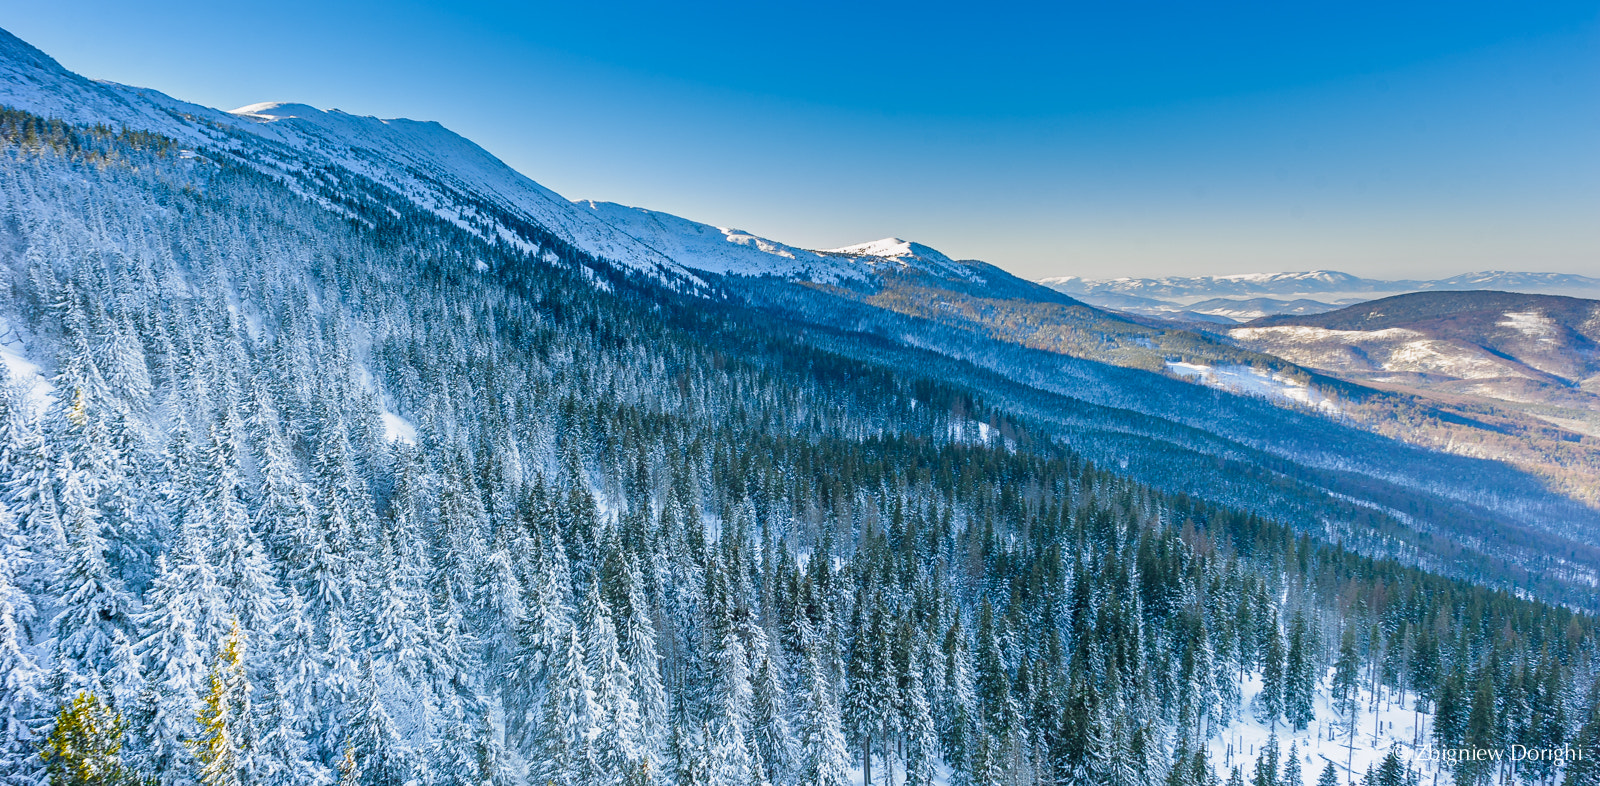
[{"x": 1098, "y": 139}]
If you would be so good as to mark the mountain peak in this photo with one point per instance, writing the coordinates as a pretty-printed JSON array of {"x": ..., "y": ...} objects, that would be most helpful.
[
  {"x": 895, "y": 248},
  {"x": 17, "y": 52},
  {"x": 277, "y": 110}
]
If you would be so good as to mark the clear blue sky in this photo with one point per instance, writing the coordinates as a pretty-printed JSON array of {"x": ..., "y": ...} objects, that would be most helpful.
[{"x": 1097, "y": 139}]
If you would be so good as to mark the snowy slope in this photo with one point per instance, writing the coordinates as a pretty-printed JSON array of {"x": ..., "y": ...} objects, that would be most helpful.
[
  {"x": 726, "y": 251},
  {"x": 445, "y": 174},
  {"x": 438, "y": 170}
]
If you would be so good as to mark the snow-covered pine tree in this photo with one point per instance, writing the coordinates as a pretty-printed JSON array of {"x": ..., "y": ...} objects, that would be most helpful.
[
  {"x": 1299, "y": 676},
  {"x": 638, "y": 634},
  {"x": 468, "y": 753},
  {"x": 164, "y": 719},
  {"x": 822, "y": 758},
  {"x": 921, "y": 741},
  {"x": 93, "y": 602},
  {"x": 500, "y": 608},
  {"x": 299, "y": 664},
  {"x": 620, "y": 744},
  {"x": 248, "y": 588},
  {"x": 29, "y": 482},
  {"x": 1266, "y": 771},
  {"x": 1270, "y": 702},
  {"x": 1291, "y": 768},
  {"x": 541, "y": 640},
  {"x": 569, "y": 712},
  {"x": 396, "y": 635},
  {"x": 283, "y": 757},
  {"x": 729, "y": 759},
  {"x": 380, "y": 754},
  {"x": 21, "y": 702},
  {"x": 769, "y": 722},
  {"x": 1344, "y": 689},
  {"x": 341, "y": 690}
]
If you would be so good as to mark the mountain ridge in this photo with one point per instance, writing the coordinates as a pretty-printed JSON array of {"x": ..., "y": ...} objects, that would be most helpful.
[
  {"x": 917, "y": 297},
  {"x": 338, "y": 480}
]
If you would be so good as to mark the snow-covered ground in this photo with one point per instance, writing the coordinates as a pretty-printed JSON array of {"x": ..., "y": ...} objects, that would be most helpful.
[
  {"x": 1390, "y": 349},
  {"x": 398, "y": 429},
  {"x": 1256, "y": 382},
  {"x": 1530, "y": 323},
  {"x": 1238, "y": 745},
  {"x": 23, "y": 374},
  {"x": 1395, "y": 726}
]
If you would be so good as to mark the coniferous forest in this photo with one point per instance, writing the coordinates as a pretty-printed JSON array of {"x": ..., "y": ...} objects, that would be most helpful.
[{"x": 305, "y": 495}]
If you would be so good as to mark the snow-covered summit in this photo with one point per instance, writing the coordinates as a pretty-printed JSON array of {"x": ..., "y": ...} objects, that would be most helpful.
[
  {"x": 276, "y": 110},
  {"x": 912, "y": 255}
]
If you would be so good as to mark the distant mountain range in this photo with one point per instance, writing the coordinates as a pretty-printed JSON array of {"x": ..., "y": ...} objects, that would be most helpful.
[
  {"x": 1240, "y": 298},
  {"x": 1538, "y": 354}
]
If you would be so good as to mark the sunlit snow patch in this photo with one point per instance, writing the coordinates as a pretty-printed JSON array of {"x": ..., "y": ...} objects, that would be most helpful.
[
  {"x": 398, "y": 429},
  {"x": 1530, "y": 323},
  {"x": 24, "y": 373},
  {"x": 1255, "y": 382}
]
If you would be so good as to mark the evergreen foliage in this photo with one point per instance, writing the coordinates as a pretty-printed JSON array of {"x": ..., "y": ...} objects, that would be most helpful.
[{"x": 622, "y": 537}]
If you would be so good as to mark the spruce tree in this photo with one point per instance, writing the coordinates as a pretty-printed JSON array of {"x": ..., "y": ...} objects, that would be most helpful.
[
  {"x": 569, "y": 713},
  {"x": 1299, "y": 677},
  {"x": 381, "y": 756},
  {"x": 1266, "y": 773},
  {"x": 1291, "y": 768},
  {"x": 1391, "y": 771},
  {"x": 730, "y": 761},
  {"x": 822, "y": 757},
  {"x": 85, "y": 746},
  {"x": 93, "y": 601},
  {"x": 769, "y": 722},
  {"x": 283, "y": 757},
  {"x": 21, "y": 701},
  {"x": 1344, "y": 689},
  {"x": 1270, "y": 705},
  {"x": 620, "y": 745},
  {"x": 165, "y": 718},
  {"x": 226, "y": 745}
]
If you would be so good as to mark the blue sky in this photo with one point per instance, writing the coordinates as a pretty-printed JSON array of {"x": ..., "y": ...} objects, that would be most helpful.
[{"x": 1135, "y": 138}]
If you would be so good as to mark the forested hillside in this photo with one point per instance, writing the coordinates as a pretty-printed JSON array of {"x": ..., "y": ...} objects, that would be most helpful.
[{"x": 295, "y": 495}]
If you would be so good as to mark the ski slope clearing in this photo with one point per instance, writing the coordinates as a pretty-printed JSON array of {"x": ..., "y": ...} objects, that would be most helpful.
[{"x": 1256, "y": 382}]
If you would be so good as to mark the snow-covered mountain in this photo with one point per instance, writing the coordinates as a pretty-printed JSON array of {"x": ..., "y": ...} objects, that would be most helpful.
[
  {"x": 335, "y": 451},
  {"x": 314, "y": 150},
  {"x": 1538, "y": 353},
  {"x": 914, "y": 296},
  {"x": 1325, "y": 289}
]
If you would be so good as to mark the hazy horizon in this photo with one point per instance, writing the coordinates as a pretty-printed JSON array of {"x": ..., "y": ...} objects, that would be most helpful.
[{"x": 1150, "y": 141}]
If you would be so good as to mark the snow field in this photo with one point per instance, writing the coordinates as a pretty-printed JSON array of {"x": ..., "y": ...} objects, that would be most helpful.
[{"x": 1255, "y": 382}]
